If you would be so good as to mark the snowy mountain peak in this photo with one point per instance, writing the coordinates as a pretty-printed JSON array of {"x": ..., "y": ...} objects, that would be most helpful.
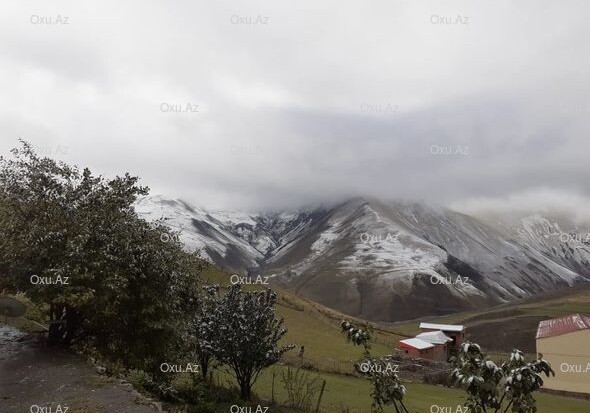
[{"x": 383, "y": 260}]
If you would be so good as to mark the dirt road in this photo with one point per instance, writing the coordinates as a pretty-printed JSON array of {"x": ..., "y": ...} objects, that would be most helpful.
[{"x": 35, "y": 379}]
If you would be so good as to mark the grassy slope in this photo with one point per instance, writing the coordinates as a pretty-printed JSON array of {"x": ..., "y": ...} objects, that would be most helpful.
[
  {"x": 316, "y": 327},
  {"x": 511, "y": 325},
  {"x": 354, "y": 394}
]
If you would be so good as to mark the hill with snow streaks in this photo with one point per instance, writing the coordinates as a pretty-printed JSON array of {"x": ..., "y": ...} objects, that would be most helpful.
[
  {"x": 383, "y": 260},
  {"x": 556, "y": 238}
]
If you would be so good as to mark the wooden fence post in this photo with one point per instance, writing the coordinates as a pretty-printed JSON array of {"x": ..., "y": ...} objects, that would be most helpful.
[
  {"x": 317, "y": 409},
  {"x": 274, "y": 373}
]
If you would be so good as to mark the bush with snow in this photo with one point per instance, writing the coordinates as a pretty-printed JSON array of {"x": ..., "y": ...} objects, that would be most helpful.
[
  {"x": 127, "y": 294},
  {"x": 246, "y": 335},
  {"x": 204, "y": 327},
  {"x": 387, "y": 389},
  {"x": 489, "y": 387},
  {"x": 356, "y": 335}
]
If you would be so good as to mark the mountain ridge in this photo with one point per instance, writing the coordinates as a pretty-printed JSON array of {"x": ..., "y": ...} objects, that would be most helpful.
[{"x": 382, "y": 261}]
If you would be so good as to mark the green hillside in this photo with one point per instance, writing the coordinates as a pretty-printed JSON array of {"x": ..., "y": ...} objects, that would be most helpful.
[
  {"x": 317, "y": 328},
  {"x": 501, "y": 328},
  {"x": 327, "y": 351}
]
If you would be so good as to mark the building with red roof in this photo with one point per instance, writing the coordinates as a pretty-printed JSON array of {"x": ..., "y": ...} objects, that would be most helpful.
[
  {"x": 436, "y": 343},
  {"x": 565, "y": 343}
]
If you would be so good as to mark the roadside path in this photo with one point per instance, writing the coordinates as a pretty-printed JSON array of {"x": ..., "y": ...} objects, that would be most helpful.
[{"x": 32, "y": 376}]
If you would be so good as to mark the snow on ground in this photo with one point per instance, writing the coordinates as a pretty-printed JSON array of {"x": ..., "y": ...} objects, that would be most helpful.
[
  {"x": 325, "y": 240},
  {"x": 395, "y": 242},
  {"x": 182, "y": 217},
  {"x": 233, "y": 217}
]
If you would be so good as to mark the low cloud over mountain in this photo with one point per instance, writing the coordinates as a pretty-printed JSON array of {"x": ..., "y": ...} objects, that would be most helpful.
[{"x": 387, "y": 260}]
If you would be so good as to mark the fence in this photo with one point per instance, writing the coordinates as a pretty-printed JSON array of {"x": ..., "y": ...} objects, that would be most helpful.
[{"x": 325, "y": 365}]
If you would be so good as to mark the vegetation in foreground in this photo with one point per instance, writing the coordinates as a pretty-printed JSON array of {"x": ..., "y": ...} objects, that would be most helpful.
[{"x": 116, "y": 286}]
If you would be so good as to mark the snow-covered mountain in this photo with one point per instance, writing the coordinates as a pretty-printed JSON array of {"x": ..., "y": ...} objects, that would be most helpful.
[
  {"x": 234, "y": 240},
  {"x": 557, "y": 238},
  {"x": 384, "y": 260}
]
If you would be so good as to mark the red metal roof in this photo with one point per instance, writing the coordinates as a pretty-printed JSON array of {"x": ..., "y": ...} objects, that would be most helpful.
[{"x": 563, "y": 325}]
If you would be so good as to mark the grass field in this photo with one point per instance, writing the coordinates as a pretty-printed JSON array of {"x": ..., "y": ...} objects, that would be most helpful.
[
  {"x": 317, "y": 328},
  {"x": 354, "y": 393}
]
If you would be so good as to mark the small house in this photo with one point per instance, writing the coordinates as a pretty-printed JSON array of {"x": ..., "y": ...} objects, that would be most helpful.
[
  {"x": 414, "y": 347},
  {"x": 455, "y": 332},
  {"x": 438, "y": 342},
  {"x": 565, "y": 343}
]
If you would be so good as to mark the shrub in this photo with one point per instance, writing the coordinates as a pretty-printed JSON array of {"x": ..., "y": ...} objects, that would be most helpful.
[
  {"x": 302, "y": 388},
  {"x": 245, "y": 334},
  {"x": 510, "y": 386},
  {"x": 124, "y": 291}
]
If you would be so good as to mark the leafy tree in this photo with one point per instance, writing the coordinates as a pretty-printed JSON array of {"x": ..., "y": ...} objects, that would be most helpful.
[
  {"x": 124, "y": 291},
  {"x": 387, "y": 389},
  {"x": 247, "y": 334},
  {"x": 358, "y": 336},
  {"x": 205, "y": 327},
  {"x": 488, "y": 386}
]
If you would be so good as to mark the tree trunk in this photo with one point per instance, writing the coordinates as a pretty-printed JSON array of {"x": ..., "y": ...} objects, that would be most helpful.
[
  {"x": 245, "y": 389},
  {"x": 73, "y": 323},
  {"x": 56, "y": 326},
  {"x": 64, "y": 324},
  {"x": 204, "y": 362}
]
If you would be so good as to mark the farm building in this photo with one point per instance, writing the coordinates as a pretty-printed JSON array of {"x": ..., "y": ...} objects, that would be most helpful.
[
  {"x": 455, "y": 332},
  {"x": 414, "y": 347},
  {"x": 436, "y": 343},
  {"x": 565, "y": 343}
]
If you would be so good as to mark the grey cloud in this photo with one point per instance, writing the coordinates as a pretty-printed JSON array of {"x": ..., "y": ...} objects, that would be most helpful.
[{"x": 325, "y": 101}]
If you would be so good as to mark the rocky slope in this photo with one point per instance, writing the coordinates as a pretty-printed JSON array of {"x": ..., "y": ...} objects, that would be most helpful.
[{"x": 384, "y": 260}]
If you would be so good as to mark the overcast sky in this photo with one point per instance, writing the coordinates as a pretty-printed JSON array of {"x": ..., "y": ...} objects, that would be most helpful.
[{"x": 252, "y": 104}]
